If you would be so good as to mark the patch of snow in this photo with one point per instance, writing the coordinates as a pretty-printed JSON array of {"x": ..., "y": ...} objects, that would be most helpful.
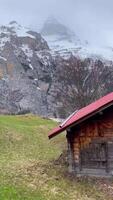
[
  {"x": 63, "y": 47},
  {"x": 28, "y": 52},
  {"x": 57, "y": 44},
  {"x": 16, "y": 29},
  {"x": 39, "y": 55},
  {"x": 17, "y": 51},
  {"x": 96, "y": 52},
  {"x": 66, "y": 48},
  {"x": 45, "y": 59},
  {"x": 4, "y": 29},
  {"x": 20, "y": 31},
  {"x": 42, "y": 40},
  {"x": 38, "y": 88},
  {"x": 1, "y": 57},
  {"x": 31, "y": 66},
  {"x": 3, "y": 41},
  {"x": 4, "y": 78}
]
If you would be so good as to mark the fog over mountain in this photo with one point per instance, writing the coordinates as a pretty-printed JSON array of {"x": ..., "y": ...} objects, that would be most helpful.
[
  {"x": 52, "y": 73},
  {"x": 56, "y": 56},
  {"x": 91, "y": 20}
]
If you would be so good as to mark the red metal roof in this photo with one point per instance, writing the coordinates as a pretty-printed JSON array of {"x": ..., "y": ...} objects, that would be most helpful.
[{"x": 83, "y": 113}]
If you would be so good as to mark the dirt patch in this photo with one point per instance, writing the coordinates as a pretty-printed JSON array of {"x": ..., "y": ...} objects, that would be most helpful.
[{"x": 106, "y": 185}]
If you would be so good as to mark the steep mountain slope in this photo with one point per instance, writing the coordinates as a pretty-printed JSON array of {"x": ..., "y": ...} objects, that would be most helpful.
[
  {"x": 25, "y": 70},
  {"x": 63, "y": 41},
  {"x": 36, "y": 78}
]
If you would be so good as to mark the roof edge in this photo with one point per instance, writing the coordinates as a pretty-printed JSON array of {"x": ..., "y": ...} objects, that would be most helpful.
[{"x": 61, "y": 129}]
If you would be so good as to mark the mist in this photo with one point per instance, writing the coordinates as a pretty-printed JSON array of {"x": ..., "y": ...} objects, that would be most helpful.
[{"x": 90, "y": 20}]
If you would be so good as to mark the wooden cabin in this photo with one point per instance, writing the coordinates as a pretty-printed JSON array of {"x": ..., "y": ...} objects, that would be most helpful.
[{"x": 90, "y": 138}]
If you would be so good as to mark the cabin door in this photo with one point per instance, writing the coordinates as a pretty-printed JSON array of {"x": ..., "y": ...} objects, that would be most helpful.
[{"x": 94, "y": 156}]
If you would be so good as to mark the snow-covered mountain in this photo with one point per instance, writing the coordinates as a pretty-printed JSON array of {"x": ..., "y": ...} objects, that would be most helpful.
[
  {"x": 60, "y": 39},
  {"x": 65, "y": 42},
  {"x": 48, "y": 78}
]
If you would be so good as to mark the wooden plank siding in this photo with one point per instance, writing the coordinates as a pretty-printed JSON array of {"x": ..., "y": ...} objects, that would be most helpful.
[{"x": 92, "y": 144}]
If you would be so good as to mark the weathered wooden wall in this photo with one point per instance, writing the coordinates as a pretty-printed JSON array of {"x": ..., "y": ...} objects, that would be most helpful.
[{"x": 92, "y": 144}]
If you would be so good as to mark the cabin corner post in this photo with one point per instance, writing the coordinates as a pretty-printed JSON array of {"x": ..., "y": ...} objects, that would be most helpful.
[{"x": 71, "y": 162}]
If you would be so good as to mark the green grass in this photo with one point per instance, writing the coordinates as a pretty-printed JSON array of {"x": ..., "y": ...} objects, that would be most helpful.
[{"x": 27, "y": 163}]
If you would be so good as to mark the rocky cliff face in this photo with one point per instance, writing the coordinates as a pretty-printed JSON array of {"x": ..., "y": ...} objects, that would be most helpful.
[
  {"x": 26, "y": 67},
  {"x": 32, "y": 79}
]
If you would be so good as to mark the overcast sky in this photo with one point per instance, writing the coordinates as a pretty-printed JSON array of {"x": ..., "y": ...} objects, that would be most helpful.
[{"x": 90, "y": 19}]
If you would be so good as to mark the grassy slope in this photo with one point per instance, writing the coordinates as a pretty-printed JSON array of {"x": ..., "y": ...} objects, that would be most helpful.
[{"x": 27, "y": 170}]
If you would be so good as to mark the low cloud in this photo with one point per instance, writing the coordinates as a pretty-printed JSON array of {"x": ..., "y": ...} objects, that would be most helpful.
[{"x": 91, "y": 20}]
